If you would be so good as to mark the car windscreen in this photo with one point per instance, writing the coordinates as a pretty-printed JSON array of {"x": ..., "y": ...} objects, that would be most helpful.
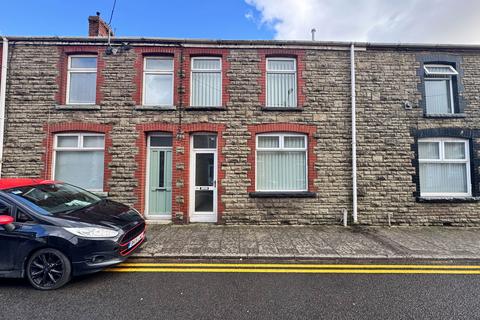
[{"x": 56, "y": 198}]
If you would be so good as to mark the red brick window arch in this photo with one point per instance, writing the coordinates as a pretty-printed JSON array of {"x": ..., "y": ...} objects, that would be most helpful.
[
  {"x": 282, "y": 144},
  {"x": 282, "y": 79},
  {"x": 73, "y": 147},
  {"x": 81, "y": 75}
]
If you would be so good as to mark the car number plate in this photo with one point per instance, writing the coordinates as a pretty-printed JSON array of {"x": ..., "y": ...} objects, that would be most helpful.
[{"x": 136, "y": 240}]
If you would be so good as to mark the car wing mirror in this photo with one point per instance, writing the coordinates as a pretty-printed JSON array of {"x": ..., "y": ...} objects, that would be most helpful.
[{"x": 7, "y": 222}]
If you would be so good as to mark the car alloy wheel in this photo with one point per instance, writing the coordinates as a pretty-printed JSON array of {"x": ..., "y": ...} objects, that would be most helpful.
[{"x": 48, "y": 269}]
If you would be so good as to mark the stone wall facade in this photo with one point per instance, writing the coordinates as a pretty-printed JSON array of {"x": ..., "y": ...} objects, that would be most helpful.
[{"x": 386, "y": 131}]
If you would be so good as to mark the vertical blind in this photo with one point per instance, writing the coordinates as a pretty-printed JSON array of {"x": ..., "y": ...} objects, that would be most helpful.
[
  {"x": 443, "y": 167},
  {"x": 281, "y": 170},
  {"x": 206, "y": 82},
  {"x": 281, "y": 163},
  {"x": 281, "y": 83},
  {"x": 437, "y": 95},
  {"x": 443, "y": 178}
]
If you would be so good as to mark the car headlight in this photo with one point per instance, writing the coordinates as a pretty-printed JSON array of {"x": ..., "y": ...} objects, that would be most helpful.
[{"x": 93, "y": 232}]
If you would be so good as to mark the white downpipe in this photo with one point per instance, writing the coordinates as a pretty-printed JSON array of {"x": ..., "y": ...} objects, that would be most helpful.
[
  {"x": 354, "y": 134},
  {"x": 3, "y": 93}
]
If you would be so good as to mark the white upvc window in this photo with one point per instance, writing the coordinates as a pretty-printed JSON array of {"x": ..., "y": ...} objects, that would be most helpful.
[
  {"x": 206, "y": 82},
  {"x": 439, "y": 94},
  {"x": 281, "y": 162},
  {"x": 281, "y": 78},
  {"x": 81, "y": 79},
  {"x": 158, "y": 81},
  {"x": 444, "y": 165},
  {"x": 79, "y": 159}
]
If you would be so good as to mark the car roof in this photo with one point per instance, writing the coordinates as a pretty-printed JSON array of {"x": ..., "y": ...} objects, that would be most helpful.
[{"x": 7, "y": 183}]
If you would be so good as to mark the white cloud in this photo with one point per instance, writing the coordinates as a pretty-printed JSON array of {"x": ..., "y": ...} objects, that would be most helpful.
[{"x": 432, "y": 21}]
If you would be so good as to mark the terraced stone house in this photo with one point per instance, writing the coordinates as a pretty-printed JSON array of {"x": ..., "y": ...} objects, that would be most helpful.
[{"x": 254, "y": 132}]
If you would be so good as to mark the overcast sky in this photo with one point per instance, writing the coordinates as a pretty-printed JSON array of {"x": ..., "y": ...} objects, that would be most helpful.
[{"x": 437, "y": 21}]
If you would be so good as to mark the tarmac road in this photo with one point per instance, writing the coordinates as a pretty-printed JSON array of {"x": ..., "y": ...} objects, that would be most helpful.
[{"x": 157, "y": 291}]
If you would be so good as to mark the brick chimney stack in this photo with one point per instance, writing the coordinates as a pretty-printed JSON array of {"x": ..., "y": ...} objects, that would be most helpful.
[{"x": 97, "y": 27}]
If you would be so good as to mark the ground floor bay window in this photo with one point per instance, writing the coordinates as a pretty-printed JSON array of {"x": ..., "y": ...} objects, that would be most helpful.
[
  {"x": 444, "y": 165},
  {"x": 281, "y": 162},
  {"x": 79, "y": 159}
]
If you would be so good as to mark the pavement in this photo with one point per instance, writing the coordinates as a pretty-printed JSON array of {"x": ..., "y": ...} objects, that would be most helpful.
[
  {"x": 205, "y": 241},
  {"x": 109, "y": 295}
]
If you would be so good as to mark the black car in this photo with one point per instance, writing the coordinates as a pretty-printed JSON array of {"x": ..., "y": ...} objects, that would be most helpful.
[{"x": 51, "y": 231}]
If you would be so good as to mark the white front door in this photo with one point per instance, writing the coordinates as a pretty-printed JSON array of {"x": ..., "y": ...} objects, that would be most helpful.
[{"x": 203, "y": 178}]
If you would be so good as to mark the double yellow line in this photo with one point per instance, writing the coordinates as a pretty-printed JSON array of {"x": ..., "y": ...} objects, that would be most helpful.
[{"x": 296, "y": 268}]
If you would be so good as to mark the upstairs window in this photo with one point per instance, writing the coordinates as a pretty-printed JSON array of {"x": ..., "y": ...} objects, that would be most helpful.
[
  {"x": 439, "y": 93},
  {"x": 158, "y": 82},
  {"x": 281, "y": 162},
  {"x": 79, "y": 159},
  {"x": 281, "y": 82},
  {"x": 444, "y": 165},
  {"x": 82, "y": 80},
  {"x": 206, "y": 78}
]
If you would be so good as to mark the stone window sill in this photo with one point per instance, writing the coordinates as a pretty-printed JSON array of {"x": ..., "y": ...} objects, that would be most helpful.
[
  {"x": 76, "y": 107},
  {"x": 190, "y": 108},
  {"x": 301, "y": 194},
  {"x": 445, "y": 115},
  {"x": 448, "y": 199},
  {"x": 282, "y": 109},
  {"x": 155, "y": 108}
]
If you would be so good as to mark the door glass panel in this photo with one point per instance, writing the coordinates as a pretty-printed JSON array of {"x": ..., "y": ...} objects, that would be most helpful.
[
  {"x": 204, "y": 169},
  {"x": 205, "y": 141},
  {"x": 161, "y": 170},
  {"x": 204, "y": 201}
]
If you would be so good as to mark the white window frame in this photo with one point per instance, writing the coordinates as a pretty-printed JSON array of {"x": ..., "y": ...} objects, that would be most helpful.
[
  {"x": 294, "y": 71},
  {"x": 71, "y": 70},
  {"x": 160, "y": 72},
  {"x": 466, "y": 161},
  {"x": 281, "y": 148},
  {"x": 193, "y": 70},
  {"x": 441, "y": 76},
  {"x": 78, "y": 148},
  {"x": 428, "y": 72}
]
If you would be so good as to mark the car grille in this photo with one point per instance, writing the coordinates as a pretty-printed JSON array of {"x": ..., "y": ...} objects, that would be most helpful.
[{"x": 132, "y": 233}]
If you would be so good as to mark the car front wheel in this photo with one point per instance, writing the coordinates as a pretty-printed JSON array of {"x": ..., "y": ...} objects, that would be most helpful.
[{"x": 48, "y": 269}]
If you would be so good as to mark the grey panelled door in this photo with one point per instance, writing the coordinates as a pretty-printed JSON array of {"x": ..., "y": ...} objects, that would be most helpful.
[{"x": 160, "y": 182}]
